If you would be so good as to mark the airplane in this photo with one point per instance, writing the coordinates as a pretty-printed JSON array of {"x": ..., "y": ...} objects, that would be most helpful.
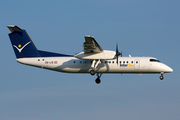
[{"x": 93, "y": 59}]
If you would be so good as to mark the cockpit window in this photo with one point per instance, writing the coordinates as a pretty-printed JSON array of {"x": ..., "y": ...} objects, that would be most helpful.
[{"x": 154, "y": 60}]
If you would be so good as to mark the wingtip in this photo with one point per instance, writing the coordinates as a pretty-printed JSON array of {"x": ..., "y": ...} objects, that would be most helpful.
[{"x": 89, "y": 36}]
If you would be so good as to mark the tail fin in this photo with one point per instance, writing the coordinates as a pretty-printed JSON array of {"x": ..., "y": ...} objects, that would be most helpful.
[{"x": 22, "y": 43}]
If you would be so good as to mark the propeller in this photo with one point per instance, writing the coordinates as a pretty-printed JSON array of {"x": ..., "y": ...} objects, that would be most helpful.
[{"x": 117, "y": 53}]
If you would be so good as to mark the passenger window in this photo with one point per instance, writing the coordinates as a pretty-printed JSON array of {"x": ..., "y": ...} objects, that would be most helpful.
[
  {"x": 105, "y": 61},
  {"x": 132, "y": 62},
  {"x": 112, "y": 61},
  {"x": 109, "y": 61},
  {"x": 136, "y": 61},
  {"x": 123, "y": 61},
  {"x": 74, "y": 61},
  {"x": 120, "y": 62},
  {"x": 127, "y": 61}
]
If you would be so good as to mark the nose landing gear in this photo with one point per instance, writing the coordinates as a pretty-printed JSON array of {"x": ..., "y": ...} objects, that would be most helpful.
[{"x": 162, "y": 77}]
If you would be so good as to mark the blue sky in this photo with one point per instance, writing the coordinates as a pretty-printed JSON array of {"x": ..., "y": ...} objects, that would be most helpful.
[{"x": 140, "y": 27}]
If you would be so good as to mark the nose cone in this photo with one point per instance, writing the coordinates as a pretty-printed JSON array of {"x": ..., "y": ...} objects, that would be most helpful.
[
  {"x": 170, "y": 69},
  {"x": 167, "y": 69}
]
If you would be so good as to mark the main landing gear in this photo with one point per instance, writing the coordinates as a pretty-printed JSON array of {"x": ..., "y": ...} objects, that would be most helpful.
[
  {"x": 98, "y": 78},
  {"x": 162, "y": 77},
  {"x": 93, "y": 72}
]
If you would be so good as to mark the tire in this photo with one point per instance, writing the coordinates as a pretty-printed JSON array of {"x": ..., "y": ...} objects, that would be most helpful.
[
  {"x": 161, "y": 77},
  {"x": 92, "y": 72},
  {"x": 98, "y": 81}
]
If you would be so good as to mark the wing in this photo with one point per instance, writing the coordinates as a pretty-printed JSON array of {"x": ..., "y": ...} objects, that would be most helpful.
[
  {"x": 91, "y": 46},
  {"x": 92, "y": 51}
]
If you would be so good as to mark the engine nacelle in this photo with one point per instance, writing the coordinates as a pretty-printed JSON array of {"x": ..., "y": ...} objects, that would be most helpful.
[{"x": 105, "y": 55}]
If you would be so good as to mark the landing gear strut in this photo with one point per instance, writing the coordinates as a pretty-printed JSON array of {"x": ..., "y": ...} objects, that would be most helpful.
[
  {"x": 94, "y": 66},
  {"x": 161, "y": 77},
  {"x": 98, "y": 78},
  {"x": 93, "y": 70}
]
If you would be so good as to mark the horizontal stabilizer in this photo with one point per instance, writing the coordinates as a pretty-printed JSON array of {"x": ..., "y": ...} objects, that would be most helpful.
[{"x": 14, "y": 28}]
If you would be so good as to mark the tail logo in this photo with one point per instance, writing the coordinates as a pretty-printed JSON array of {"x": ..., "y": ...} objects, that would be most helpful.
[{"x": 21, "y": 48}]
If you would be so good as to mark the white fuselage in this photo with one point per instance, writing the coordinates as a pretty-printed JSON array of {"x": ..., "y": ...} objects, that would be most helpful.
[{"x": 74, "y": 65}]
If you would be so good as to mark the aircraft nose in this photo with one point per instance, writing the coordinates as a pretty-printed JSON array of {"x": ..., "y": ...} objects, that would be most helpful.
[{"x": 168, "y": 69}]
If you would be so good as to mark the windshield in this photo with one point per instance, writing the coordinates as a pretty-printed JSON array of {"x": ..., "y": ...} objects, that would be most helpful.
[{"x": 154, "y": 60}]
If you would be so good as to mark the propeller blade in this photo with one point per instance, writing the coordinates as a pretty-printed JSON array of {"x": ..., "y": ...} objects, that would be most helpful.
[
  {"x": 117, "y": 53},
  {"x": 116, "y": 47},
  {"x": 117, "y": 60}
]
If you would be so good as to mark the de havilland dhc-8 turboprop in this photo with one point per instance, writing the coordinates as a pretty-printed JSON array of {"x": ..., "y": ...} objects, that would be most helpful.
[{"x": 93, "y": 59}]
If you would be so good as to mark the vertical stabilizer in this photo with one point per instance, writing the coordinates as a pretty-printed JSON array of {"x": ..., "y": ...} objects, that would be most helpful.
[{"x": 22, "y": 43}]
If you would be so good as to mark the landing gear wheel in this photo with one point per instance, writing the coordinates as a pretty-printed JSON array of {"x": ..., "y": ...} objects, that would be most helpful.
[
  {"x": 92, "y": 72},
  {"x": 161, "y": 77},
  {"x": 97, "y": 80}
]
